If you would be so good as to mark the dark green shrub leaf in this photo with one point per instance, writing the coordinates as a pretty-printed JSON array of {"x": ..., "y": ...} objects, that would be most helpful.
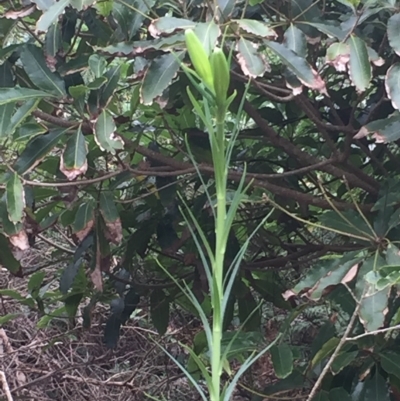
[
  {"x": 15, "y": 198},
  {"x": 159, "y": 76},
  {"x": 282, "y": 359},
  {"x": 37, "y": 70},
  {"x": 359, "y": 65},
  {"x": 159, "y": 311},
  {"x": 73, "y": 160}
]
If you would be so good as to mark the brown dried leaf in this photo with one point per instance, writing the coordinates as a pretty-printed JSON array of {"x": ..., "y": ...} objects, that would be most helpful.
[
  {"x": 97, "y": 278},
  {"x": 114, "y": 231},
  {"x": 361, "y": 134},
  {"x": 20, "y": 240},
  {"x": 24, "y": 12},
  {"x": 81, "y": 235},
  {"x": 350, "y": 274},
  {"x": 379, "y": 138},
  {"x": 73, "y": 173}
]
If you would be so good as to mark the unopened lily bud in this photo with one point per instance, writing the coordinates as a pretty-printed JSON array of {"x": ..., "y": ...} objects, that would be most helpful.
[
  {"x": 199, "y": 58},
  {"x": 221, "y": 74}
]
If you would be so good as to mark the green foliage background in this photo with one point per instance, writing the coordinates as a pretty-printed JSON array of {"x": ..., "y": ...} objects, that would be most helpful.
[{"x": 94, "y": 126}]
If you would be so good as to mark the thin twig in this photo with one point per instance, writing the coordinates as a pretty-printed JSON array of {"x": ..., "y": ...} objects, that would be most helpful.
[{"x": 335, "y": 353}]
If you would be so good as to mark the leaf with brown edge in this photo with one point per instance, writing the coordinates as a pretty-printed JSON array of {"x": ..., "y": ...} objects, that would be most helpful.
[
  {"x": 257, "y": 28},
  {"x": 360, "y": 71},
  {"x": 111, "y": 217},
  {"x": 159, "y": 76},
  {"x": 84, "y": 220},
  {"x": 338, "y": 55},
  {"x": 105, "y": 133},
  {"x": 73, "y": 162},
  {"x": 299, "y": 66},
  {"x": 252, "y": 63},
  {"x": 169, "y": 25},
  {"x": 383, "y": 131}
]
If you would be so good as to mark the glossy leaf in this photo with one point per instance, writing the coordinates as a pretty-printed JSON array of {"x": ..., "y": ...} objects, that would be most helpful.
[
  {"x": 295, "y": 40},
  {"x": 342, "y": 360},
  {"x": 328, "y": 274},
  {"x": 390, "y": 362},
  {"x": 168, "y": 25},
  {"x": 359, "y": 65},
  {"x": 392, "y": 85},
  {"x": 15, "y": 198},
  {"x": 298, "y": 65},
  {"x": 20, "y": 115},
  {"x": 105, "y": 133},
  {"x": 97, "y": 64},
  {"x": 51, "y": 15},
  {"x": 29, "y": 131},
  {"x": 53, "y": 42},
  {"x": 208, "y": 33},
  {"x": 36, "y": 149},
  {"x": 393, "y": 32},
  {"x": 39, "y": 73},
  {"x": 383, "y": 131},
  {"x": 159, "y": 76},
  {"x": 282, "y": 359},
  {"x": 83, "y": 222},
  {"x": 253, "y": 64},
  {"x": 73, "y": 160},
  {"x": 111, "y": 217},
  {"x": 10, "y": 95},
  {"x": 257, "y": 28}
]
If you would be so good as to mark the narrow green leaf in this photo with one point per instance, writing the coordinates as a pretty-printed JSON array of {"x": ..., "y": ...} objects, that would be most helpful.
[
  {"x": 390, "y": 362},
  {"x": 392, "y": 85},
  {"x": 360, "y": 67},
  {"x": 73, "y": 161},
  {"x": 159, "y": 76},
  {"x": 257, "y": 28},
  {"x": 6, "y": 112},
  {"x": 113, "y": 76},
  {"x": 282, "y": 359},
  {"x": 10, "y": 95},
  {"x": 51, "y": 15},
  {"x": 208, "y": 33},
  {"x": 15, "y": 198},
  {"x": 83, "y": 216},
  {"x": 20, "y": 115},
  {"x": 68, "y": 275},
  {"x": 29, "y": 131},
  {"x": 325, "y": 351},
  {"x": 97, "y": 64},
  {"x": 105, "y": 133},
  {"x": 35, "y": 66},
  {"x": 36, "y": 281},
  {"x": 36, "y": 149},
  {"x": 393, "y": 32},
  {"x": 53, "y": 41},
  {"x": 107, "y": 206},
  {"x": 168, "y": 25},
  {"x": 298, "y": 65},
  {"x": 295, "y": 40},
  {"x": 6, "y": 318}
]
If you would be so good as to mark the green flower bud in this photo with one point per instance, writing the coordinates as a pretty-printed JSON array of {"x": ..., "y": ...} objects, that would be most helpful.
[
  {"x": 199, "y": 58},
  {"x": 221, "y": 74}
]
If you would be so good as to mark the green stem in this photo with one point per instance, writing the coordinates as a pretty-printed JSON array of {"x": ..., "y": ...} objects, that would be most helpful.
[{"x": 220, "y": 247}]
